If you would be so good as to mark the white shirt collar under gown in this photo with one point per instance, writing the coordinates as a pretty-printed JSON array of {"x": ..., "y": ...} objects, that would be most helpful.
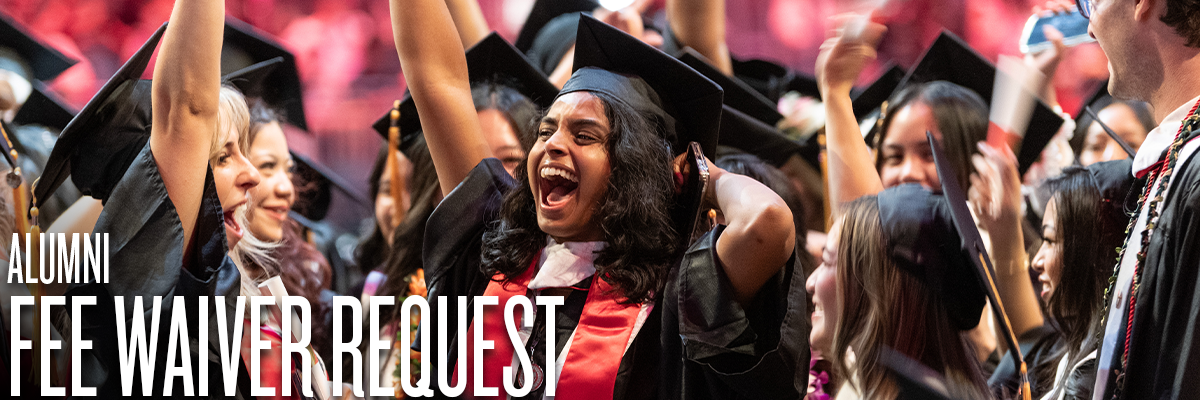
[
  {"x": 565, "y": 264},
  {"x": 1157, "y": 141},
  {"x": 1160, "y": 138}
]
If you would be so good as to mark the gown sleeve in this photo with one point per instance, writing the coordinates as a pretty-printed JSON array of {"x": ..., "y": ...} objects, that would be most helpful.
[
  {"x": 454, "y": 243},
  {"x": 1039, "y": 346},
  {"x": 1164, "y": 352},
  {"x": 146, "y": 260},
  {"x": 730, "y": 351}
]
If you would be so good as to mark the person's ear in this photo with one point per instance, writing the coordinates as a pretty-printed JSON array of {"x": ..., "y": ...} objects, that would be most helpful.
[{"x": 1145, "y": 10}]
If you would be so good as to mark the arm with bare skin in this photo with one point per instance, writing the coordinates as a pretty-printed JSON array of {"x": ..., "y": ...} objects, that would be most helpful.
[
  {"x": 996, "y": 194},
  {"x": 851, "y": 170},
  {"x": 700, "y": 24},
  {"x": 468, "y": 19},
  {"x": 435, "y": 68},
  {"x": 185, "y": 93},
  {"x": 759, "y": 236}
]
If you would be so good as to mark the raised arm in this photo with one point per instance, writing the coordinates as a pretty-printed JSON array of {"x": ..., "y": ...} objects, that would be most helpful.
[
  {"x": 185, "y": 93},
  {"x": 759, "y": 235},
  {"x": 468, "y": 18},
  {"x": 700, "y": 24},
  {"x": 435, "y": 68},
  {"x": 996, "y": 194},
  {"x": 851, "y": 171}
]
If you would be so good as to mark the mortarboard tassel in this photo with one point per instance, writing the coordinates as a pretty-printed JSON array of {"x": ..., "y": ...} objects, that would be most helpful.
[
  {"x": 823, "y": 159},
  {"x": 22, "y": 224},
  {"x": 393, "y": 163}
]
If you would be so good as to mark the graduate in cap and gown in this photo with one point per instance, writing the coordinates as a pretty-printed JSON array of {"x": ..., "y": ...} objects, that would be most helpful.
[
  {"x": 509, "y": 93},
  {"x": 1149, "y": 349},
  {"x": 588, "y": 218},
  {"x": 167, "y": 158},
  {"x": 943, "y": 94}
]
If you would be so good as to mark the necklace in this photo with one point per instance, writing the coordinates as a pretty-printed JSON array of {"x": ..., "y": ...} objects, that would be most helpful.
[{"x": 1162, "y": 173}]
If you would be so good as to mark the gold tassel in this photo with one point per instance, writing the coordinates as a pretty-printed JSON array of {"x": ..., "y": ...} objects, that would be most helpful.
[
  {"x": 393, "y": 163},
  {"x": 823, "y": 159},
  {"x": 31, "y": 282}
]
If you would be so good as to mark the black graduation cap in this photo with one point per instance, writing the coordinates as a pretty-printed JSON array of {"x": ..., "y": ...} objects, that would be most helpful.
[
  {"x": 972, "y": 244},
  {"x": 613, "y": 62},
  {"x": 553, "y": 42},
  {"x": 44, "y": 108},
  {"x": 492, "y": 60},
  {"x": 244, "y": 46},
  {"x": 98, "y": 145},
  {"x": 804, "y": 84},
  {"x": 742, "y": 132},
  {"x": 1097, "y": 101},
  {"x": 43, "y": 62},
  {"x": 870, "y": 98},
  {"x": 250, "y": 81},
  {"x": 748, "y": 118},
  {"x": 773, "y": 80},
  {"x": 869, "y": 102},
  {"x": 950, "y": 59},
  {"x": 738, "y": 94},
  {"x": 543, "y": 12},
  {"x": 315, "y": 205}
]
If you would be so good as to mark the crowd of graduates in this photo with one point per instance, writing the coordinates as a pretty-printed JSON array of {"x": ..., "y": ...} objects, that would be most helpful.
[{"x": 716, "y": 227}]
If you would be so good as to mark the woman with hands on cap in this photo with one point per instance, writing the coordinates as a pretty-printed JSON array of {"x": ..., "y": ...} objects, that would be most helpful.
[{"x": 587, "y": 218}]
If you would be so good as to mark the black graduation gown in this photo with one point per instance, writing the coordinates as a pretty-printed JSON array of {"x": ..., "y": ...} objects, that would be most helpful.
[
  {"x": 146, "y": 254},
  {"x": 1164, "y": 352},
  {"x": 697, "y": 343}
]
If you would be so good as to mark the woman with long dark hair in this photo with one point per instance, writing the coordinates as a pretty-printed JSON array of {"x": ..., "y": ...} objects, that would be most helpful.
[
  {"x": 1082, "y": 227},
  {"x": 893, "y": 275},
  {"x": 957, "y": 118},
  {"x": 588, "y": 218}
]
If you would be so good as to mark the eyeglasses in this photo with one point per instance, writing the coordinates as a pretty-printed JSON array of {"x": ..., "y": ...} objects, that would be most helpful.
[{"x": 1085, "y": 8}]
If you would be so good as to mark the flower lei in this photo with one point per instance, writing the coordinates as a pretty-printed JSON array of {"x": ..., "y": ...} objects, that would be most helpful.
[
  {"x": 1163, "y": 175},
  {"x": 416, "y": 287},
  {"x": 817, "y": 379}
]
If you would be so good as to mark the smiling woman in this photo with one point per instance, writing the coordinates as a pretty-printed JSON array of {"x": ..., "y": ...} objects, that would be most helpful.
[{"x": 590, "y": 216}]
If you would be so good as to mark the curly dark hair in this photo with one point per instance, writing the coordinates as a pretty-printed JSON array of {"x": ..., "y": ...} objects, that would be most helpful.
[
  {"x": 634, "y": 216},
  {"x": 1184, "y": 16}
]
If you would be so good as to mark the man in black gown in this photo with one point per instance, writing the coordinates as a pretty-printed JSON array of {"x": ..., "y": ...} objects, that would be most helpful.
[{"x": 1150, "y": 349}]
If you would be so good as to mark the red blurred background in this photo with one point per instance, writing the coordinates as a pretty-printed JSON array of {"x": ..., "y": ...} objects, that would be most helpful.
[{"x": 351, "y": 74}]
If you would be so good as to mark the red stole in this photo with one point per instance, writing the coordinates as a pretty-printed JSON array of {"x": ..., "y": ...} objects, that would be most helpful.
[{"x": 590, "y": 368}]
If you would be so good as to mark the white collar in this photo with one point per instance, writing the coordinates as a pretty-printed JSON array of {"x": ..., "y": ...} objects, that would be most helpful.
[
  {"x": 565, "y": 264},
  {"x": 1160, "y": 138}
]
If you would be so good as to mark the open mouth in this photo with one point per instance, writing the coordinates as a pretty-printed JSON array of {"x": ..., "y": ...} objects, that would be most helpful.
[
  {"x": 557, "y": 186},
  {"x": 231, "y": 225}
]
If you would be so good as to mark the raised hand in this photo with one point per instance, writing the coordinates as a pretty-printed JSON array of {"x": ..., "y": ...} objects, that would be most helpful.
[{"x": 846, "y": 52}]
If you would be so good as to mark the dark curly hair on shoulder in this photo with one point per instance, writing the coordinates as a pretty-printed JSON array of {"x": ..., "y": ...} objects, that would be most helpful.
[{"x": 634, "y": 215}]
